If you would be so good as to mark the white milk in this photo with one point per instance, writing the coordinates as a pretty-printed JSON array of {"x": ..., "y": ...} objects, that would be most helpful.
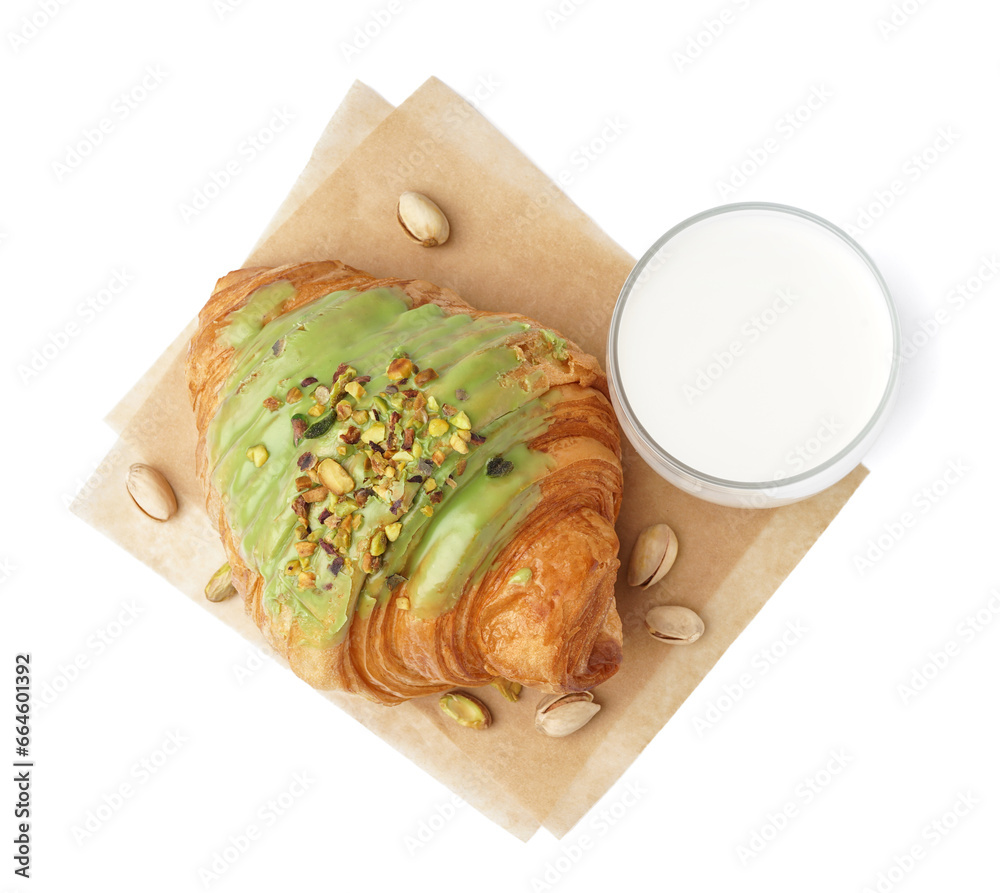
[{"x": 755, "y": 345}]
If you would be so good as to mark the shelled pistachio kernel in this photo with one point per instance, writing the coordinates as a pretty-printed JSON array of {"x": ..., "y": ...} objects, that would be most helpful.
[
  {"x": 392, "y": 531},
  {"x": 334, "y": 477},
  {"x": 293, "y": 396},
  {"x": 257, "y": 454},
  {"x": 220, "y": 586},
  {"x": 458, "y": 444},
  {"x": 467, "y": 711},
  {"x": 151, "y": 492},
  {"x": 357, "y": 391},
  {"x": 510, "y": 690},
  {"x": 461, "y": 420}
]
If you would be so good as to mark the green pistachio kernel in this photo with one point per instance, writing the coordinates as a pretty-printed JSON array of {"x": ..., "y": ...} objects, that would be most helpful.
[{"x": 467, "y": 711}]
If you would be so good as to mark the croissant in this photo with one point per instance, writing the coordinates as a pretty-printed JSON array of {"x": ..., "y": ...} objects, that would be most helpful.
[{"x": 413, "y": 494}]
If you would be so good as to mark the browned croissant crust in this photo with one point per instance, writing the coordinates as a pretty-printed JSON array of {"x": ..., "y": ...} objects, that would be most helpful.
[{"x": 504, "y": 554}]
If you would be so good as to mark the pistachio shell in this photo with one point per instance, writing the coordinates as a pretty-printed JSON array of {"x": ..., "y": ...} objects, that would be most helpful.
[
  {"x": 562, "y": 714},
  {"x": 674, "y": 624},
  {"x": 422, "y": 220},
  {"x": 151, "y": 491},
  {"x": 653, "y": 554}
]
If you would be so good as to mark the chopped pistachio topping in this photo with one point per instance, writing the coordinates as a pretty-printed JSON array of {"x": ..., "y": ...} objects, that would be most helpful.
[
  {"x": 520, "y": 577},
  {"x": 257, "y": 454},
  {"x": 335, "y": 477},
  {"x": 378, "y": 543},
  {"x": 400, "y": 368},
  {"x": 437, "y": 427}
]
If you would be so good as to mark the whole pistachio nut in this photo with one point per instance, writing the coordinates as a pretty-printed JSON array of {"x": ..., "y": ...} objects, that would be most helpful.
[
  {"x": 422, "y": 220},
  {"x": 674, "y": 624},
  {"x": 466, "y": 710},
  {"x": 151, "y": 491},
  {"x": 653, "y": 554},
  {"x": 560, "y": 715},
  {"x": 220, "y": 587}
]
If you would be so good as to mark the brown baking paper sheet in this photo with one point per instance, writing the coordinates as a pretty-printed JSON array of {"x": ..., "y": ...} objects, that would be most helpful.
[{"x": 518, "y": 244}]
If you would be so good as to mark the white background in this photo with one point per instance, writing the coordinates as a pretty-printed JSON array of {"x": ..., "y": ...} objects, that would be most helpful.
[{"x": 550, "y": 76}]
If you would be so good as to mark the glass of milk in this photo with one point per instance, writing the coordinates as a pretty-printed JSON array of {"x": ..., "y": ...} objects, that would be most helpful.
[{"x": 753, "y": 355}]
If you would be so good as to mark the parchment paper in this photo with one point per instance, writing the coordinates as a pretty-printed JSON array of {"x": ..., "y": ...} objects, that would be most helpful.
[{"x": 517, "y": 244}]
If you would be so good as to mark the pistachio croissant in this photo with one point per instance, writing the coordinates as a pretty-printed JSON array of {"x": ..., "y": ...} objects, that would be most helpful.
[{"x": 413, "y": 494}]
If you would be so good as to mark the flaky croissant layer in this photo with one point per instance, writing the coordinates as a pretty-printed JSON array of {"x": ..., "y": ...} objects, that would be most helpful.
[{"x": 413, "y": 494}]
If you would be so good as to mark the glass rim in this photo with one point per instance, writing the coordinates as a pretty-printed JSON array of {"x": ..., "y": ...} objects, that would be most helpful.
[{"x": 777, "y": 484}]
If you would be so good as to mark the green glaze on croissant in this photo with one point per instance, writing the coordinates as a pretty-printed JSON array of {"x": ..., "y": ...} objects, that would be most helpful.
[{"x": 413, "y": 494}]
